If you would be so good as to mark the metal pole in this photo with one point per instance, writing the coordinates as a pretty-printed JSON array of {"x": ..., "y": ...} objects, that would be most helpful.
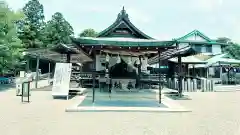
[
  {"x": 159, "y": 77},
  {"x": 27, "y": 64},
  {"x": 49, "y": 72},
  {"x": 179, "y": 75},
  {"x": 28, "y": 91},
  {"x": 37, "y": 72},
  {"x": 93, "y": 76},
  {"x": 22, "y": 91},
  {"x": 220, "y": 67}
]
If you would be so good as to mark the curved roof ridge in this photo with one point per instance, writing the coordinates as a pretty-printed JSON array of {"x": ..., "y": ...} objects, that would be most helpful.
[{"x": 123, "y": 16}]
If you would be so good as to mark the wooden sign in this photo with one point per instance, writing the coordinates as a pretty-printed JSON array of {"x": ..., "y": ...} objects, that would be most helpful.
[{"x": 61, "y": 79}]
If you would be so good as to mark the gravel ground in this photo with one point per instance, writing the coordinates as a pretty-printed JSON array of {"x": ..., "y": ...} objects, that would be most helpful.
[{"x": 213, "y": 114}]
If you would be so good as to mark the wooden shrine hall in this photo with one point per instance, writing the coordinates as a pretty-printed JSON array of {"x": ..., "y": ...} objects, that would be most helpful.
[
  {"x": 119, "y": 57},
  {"x": 121, "y": 53}
]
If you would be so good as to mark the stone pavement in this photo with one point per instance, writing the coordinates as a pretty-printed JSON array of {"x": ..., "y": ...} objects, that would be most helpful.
[
  {"x": 172, "y": 106},
  {"x": 213, "y": 113}
]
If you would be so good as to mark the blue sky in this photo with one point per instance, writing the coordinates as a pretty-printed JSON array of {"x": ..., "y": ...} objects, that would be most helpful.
[{"x": 161, "y": 19}]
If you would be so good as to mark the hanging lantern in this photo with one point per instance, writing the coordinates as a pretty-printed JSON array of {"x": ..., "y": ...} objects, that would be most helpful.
[
  {"x": 129, "y": 60},
  {"x": 129, "y": 67},
  {"x": 138, "y": 61},
  {"x": 226, "y": 69},
  {"x": 107, "y": 58},
  {"x": 118, "y": 59}
]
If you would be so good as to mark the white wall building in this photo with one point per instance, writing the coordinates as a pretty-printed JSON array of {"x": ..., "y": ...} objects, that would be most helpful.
[{"x": 195, "y": 37}]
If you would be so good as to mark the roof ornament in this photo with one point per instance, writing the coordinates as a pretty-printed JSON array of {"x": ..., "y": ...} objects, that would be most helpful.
[{"x": 123, "y": 14}]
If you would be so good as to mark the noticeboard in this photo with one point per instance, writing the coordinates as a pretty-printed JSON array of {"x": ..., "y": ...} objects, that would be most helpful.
[
  {"x": 61, "y": 79},
  {"x": 26, "y": 89}
]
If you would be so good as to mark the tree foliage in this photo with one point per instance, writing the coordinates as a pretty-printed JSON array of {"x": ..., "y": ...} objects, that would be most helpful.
[
  {"x": 232, "y": 49},
  {"x": 88, "y": 33},
  {"x": 10, "y": 44},
  {"x": 30, "y": 27},
  {"x": 58, "y": 30},
  {"x": 224, "y": 40}
]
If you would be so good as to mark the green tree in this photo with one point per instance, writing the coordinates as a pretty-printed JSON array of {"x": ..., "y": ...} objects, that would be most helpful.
[
  {"x": 224, "y": 40},
  {"x": 10, "y": 44},
  {"x": 58, "y": 30},
  {"x": 30, "y": 27},
  {"x": 88, "y": 33},
  {"x": 233, "y": 50}
]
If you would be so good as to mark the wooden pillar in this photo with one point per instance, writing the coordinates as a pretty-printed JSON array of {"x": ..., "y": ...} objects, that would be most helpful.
[
  {"x": 37, "y": 72},
  {"x": 194, "y": 70},
  {"x": 159, "y": 79},
  {"x": 201, "y": 72},
  {"x": 187, "y": 70},
  {"x": 207, "y": 72},
  {"x": 180, "y": 75},
  {"x": 68, "y": 57},
  {"x": 94, "y": 76}
]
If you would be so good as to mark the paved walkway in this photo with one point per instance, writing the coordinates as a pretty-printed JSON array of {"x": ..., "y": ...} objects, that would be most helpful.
[
  {"x": 172, "y": 106},
  {"x": 212, "y": 113}
]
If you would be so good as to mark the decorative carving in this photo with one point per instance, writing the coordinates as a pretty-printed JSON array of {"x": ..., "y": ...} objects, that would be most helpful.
[
  {"x": 122, "y": 31},
  {"x": 123, "y": 14}
]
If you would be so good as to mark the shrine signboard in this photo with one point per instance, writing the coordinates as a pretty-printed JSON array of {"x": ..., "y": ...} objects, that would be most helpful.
[{"x": 61, "y": 79}]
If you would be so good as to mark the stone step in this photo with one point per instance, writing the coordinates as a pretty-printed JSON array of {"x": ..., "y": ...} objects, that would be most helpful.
[{"x": 227, "y": 88}]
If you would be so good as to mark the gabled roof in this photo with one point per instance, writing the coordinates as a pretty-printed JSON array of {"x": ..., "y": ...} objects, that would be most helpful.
[
  {"x": 188, "y": 60},
  {"x": 221, "y": 59},
  {"x": 55, "y": 52},
  {"x": 123, "y": 21},
  {"x": 195, "y": 33},
  {"x": 171, "y": 53}
]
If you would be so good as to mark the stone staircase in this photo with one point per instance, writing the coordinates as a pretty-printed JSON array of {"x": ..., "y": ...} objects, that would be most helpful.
[{"x": 226, "y": 88}]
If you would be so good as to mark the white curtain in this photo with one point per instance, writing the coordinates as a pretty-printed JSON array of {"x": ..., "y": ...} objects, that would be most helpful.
[
  {"x": 211, "y": 71},
  {"x": 112, "y": 61},
  {"x": 130, "y": 64},
  {"x": 144, "y": 64}
]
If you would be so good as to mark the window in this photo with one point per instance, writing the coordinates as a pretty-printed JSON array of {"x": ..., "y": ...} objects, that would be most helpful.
[
  {"x": 209, "y": 49},
  {"x": 198, "y": 48},
  {"x": 203, "y": 48}
]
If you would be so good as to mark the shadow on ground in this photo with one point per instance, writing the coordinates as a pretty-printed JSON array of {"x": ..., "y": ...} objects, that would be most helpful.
[
  {"x": 5, "y": 87},
  {"x": 176, "y": 97}
]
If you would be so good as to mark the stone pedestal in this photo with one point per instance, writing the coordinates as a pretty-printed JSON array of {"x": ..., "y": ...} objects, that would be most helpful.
[
  {"x": 170, "y": 83},
  {"x": 183, "y": 85},
  {"x": 203, "y": 84},
  {"x": 195, "y": 85},
  {"x": 188, "y": 84},
  {"x": 191, "y": 86},
  {"x": 212, "y": 85},
  {"x": 175, "y": 86}
]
